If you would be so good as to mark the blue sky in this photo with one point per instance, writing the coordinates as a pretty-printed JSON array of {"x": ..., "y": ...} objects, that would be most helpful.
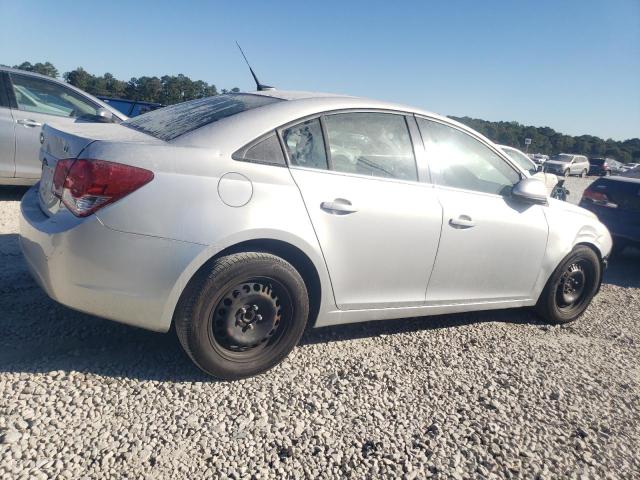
[{"x": 570, "y": 65}]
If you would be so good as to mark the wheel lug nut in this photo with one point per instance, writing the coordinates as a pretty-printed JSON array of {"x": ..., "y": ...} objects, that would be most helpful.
[{"x": 258, "y": 318}]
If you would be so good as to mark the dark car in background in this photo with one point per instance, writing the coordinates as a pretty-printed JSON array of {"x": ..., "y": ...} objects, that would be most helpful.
[
  {"x": 131, "y": 108},
  {"x": 604, "y": 166},
  {"x": 616, "y": 202}
]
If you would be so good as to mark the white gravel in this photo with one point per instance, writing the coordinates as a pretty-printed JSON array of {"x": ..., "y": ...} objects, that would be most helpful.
[{"x": 488, "y": 395}]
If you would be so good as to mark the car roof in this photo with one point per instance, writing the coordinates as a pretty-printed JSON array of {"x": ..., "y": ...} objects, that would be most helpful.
[
  {"x": 295, "y": 106},
  {"x": 619, "y": 178}
]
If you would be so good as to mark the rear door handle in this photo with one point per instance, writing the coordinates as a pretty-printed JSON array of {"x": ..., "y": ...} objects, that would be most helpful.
[
  {"x": 463, "y": 221},
  {"x": 29, "y": 123},
  {"x": 339, "y": 206}
]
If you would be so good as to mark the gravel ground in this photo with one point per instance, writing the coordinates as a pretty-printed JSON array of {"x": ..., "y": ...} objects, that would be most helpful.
[{"x": 487, "y": 395}]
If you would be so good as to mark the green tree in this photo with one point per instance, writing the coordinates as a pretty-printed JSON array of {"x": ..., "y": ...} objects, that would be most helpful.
[{"x": 45, "y": 68}]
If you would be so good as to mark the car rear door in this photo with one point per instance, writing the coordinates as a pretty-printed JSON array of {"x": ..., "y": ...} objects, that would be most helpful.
[
  {"x": 377, "y": 225},
  {"x": 41, "y": 101},
  {"x": 7, "y": 132},
  {"x": 491, "y": 246}
]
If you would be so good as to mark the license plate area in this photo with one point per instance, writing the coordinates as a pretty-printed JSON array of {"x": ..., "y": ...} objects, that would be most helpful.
[{"x": 48, "y": 200}]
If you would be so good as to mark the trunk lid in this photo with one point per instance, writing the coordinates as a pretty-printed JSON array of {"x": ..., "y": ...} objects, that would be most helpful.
[{"x": 69, "y": 142}]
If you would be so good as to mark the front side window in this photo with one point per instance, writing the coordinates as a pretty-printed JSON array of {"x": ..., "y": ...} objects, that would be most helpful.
[
  {"x": 305, "y": 144},
  {"x": 42, "y": 96},
  {"x": 373, "y": 144},
  {"x": 458, "y": 160},
  {"x": 521, "y": 160}
]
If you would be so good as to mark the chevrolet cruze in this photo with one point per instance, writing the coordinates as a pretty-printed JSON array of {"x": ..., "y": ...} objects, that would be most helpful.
[{"x": 243, "y": 218}]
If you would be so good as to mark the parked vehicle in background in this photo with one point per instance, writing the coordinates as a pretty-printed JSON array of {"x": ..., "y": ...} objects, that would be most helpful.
[
  {"x": 243, "y": 217},
  {"x": 616, "y": 202},
  {"x": 566, "y": 164},
  {"x": 554, "y": 186},
  {"x": 29, "y": 100},
  {"x": 604, "y": 166},
  {"x": 627, "y": 167},
  {"x": 131, "y": 108},
  {"x": 539, "y": 158}
]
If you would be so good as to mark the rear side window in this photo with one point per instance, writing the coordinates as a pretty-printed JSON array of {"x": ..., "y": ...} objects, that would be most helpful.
[
  {"x": 266, "y": 150},
  {"x": 305, "y": 144},
  {"x": 374, "y": 144},
  {"x": 173, "y": 121}
]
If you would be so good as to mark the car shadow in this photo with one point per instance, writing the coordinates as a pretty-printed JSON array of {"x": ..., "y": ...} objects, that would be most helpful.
[
  {"x": 38, "y": 335},
  {"x": 624, "y": 269},
  {"x": 10, "y": 193}
]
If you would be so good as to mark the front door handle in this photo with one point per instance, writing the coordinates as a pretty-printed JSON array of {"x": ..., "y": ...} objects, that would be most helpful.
[
  {"x": 28, "y": 122},
  {"x": 339, "y": 206},
  {"x": 463, "y": 221}
]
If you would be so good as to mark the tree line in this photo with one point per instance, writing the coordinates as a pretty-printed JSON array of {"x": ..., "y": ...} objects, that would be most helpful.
[
  {"x": 167, "y": 89},
  {"x": 170, "y": 89},
  {"x": 549, "y": 142}
]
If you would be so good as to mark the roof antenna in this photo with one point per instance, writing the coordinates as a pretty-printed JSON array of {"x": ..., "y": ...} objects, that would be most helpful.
[{"x": 259, "y": 86}]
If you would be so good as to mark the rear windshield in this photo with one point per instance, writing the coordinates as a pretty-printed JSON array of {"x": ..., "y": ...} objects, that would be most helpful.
[
  {"x": 596, "y": 161},
  {"x": 175, "y": 120}
]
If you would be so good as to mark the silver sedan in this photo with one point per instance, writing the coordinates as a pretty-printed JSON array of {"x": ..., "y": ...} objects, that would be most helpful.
[
  {"x": 29, "y": 100},
  {"x": 243, "y": 218}
]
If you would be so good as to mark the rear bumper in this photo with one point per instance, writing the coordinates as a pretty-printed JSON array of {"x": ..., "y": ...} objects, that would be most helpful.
[{"x": 91, "y": 268}]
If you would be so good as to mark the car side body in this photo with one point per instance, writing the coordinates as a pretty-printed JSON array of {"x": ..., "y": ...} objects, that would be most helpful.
[
  {"x": 29, "y": 100},
  {"x": 202, "y": 203}
]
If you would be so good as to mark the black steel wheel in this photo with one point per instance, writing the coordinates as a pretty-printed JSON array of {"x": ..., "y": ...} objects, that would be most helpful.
[
  {"x": 242, "y": 315},
  {"x": 571, "y": 287}
]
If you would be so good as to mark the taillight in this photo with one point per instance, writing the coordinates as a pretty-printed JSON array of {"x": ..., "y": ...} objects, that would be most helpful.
[
  {"x": 599, "y": 198},
  {"x": 85, "y": 186}
]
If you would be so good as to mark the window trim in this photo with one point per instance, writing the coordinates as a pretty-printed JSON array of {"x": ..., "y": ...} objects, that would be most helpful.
[
  {"x": 329, "y": 169},
  {"x": 475, "y": 136},
  {"x": 53, "y": 81},
  {"x": 238, "y": 155}
]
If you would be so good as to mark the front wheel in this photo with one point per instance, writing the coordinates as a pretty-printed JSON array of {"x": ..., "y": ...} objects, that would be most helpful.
[
  {"x": 243, "y": 315},
  {"x": 566, "y": 173},
  {"x": 571, "y": 287},
  {"x": 583, "y": 174}
]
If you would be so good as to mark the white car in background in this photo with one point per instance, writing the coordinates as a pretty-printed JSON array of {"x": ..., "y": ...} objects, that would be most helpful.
[
  {"x": 549, "y": 179},
  {"x": 29, "y": 100}
]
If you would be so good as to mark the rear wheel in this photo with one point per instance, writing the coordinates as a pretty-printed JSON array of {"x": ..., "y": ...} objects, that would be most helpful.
[
  {"x": 243, "y": 316},
  {"x": 571, "y": 287}
]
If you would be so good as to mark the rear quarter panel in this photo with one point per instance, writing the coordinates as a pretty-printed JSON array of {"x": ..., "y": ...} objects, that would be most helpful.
[{"x": 182, "y": 203}]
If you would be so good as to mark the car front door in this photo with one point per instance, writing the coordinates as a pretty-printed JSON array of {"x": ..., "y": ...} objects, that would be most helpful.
[
  {"x": 41, "y": 101},
  {"x": 492, "y": 245},
  {"x": 377, "y": 225}
]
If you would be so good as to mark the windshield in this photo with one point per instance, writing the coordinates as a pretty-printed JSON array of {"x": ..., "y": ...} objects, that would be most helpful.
[
  {"x": 175, "y": 120},
  {"x": 563, "y": 157},
  {"x": 521, "y": 160}
]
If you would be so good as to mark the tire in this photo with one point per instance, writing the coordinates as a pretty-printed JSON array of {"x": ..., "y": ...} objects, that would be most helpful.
[
  {"x": 583, "y": 173},
  {"x": 581, "y": 265},
  {"x": 566, "y": 173},
  {"x": 243, "y": 315}
]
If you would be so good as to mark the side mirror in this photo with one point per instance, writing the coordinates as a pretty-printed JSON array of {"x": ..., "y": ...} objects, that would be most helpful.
[
  {"x": 105, "y": 116},
  {"x": 530, "y": 190}
]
